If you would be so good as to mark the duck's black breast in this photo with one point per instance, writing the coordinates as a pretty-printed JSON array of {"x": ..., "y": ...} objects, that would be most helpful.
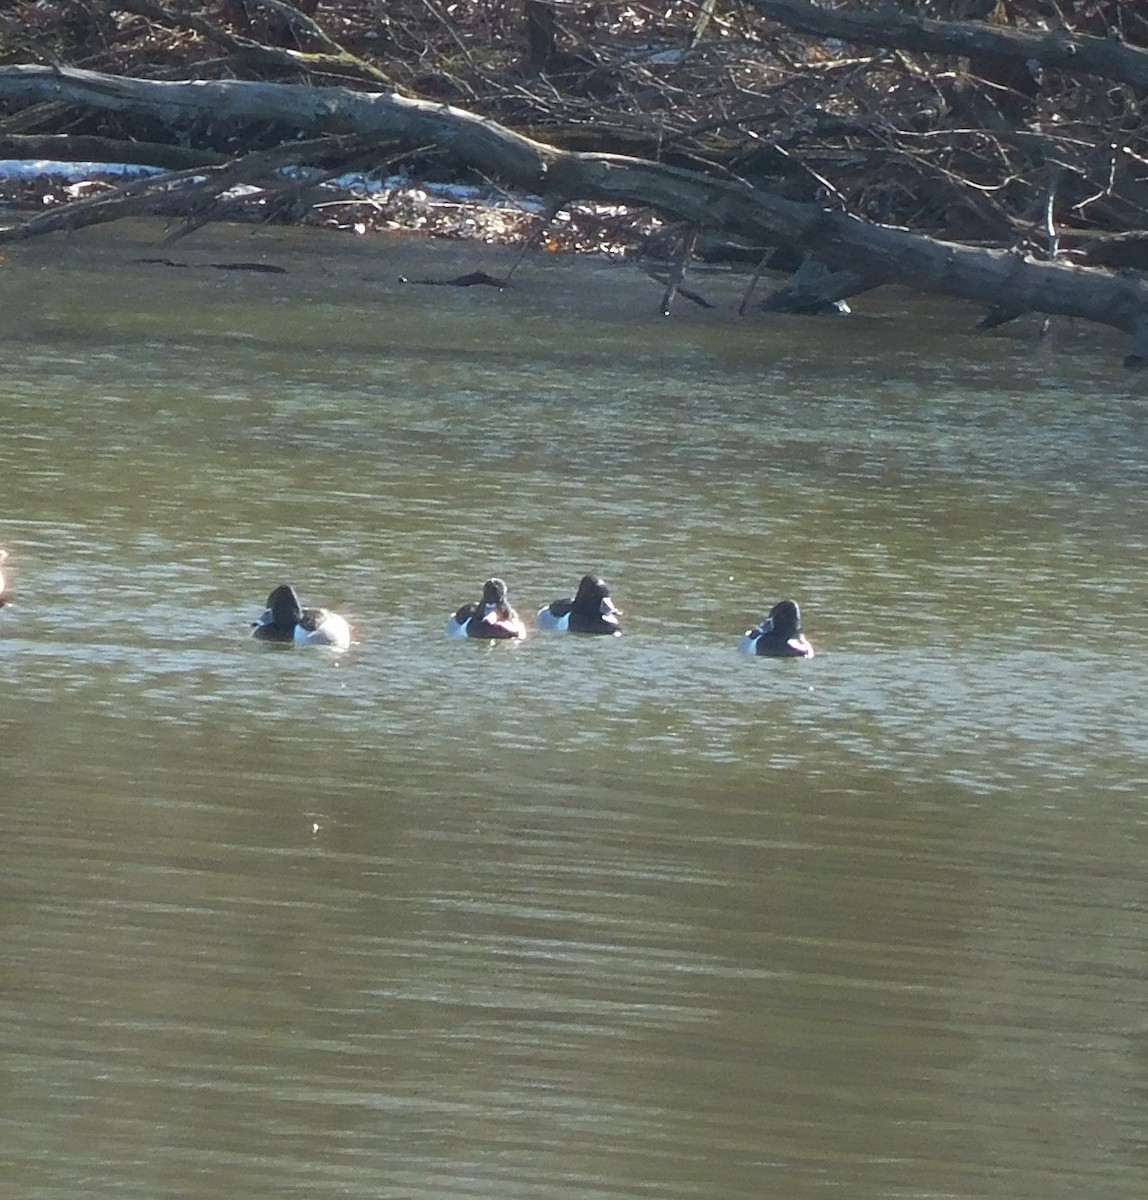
[
  {"x": 773, "y": 644},
  {"x": 465, "y": 613},
  {"x": 582, "y": 621},
  {"x": 495, "y": 630},
  {"x": 273, "y": 633},
  {"x": 768, "y": 644}
]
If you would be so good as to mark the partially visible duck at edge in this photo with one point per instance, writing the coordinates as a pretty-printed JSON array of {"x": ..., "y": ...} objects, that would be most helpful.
[
  {"x": 491, "y": 618},
  {"x": 286, "y": 620},
  {"x": 780, "y": 635},
  {"x": 3, "y": 593},
  {"x": 590, "y": 611}
]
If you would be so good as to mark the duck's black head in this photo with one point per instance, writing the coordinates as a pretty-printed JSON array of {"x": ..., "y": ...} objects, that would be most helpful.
[
  {"x": 283, "y": 609},
  {"x": 494, "y": 593},
  {"x": 784, "y": 619},
  {"x": 592, "y": 590}
]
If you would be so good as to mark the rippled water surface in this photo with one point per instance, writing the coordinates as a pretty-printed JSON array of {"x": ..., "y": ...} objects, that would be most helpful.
[{"x": 622, "y": 918}]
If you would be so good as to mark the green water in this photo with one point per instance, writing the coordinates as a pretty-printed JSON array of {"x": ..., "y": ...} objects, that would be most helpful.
[{"x": 571, "y": 918}]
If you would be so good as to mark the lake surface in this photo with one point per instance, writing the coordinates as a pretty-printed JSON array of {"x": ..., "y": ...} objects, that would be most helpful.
[{"x": 570, "y": 918}]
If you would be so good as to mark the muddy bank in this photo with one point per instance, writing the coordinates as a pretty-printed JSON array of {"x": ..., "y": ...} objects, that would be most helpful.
[
  {"x": 240, "y": 267},
  {"x": 271, "y": 259}
]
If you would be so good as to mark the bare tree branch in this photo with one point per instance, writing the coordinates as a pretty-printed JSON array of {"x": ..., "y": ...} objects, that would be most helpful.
[
  {"x": 333, "y": 58},
  {"x": 1061, "y": 50}
]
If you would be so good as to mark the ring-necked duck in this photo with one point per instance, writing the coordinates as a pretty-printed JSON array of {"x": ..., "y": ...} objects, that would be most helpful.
[
  {"x": 590, "y": 611},
  {"x": 491, "y": 617},
  {"x": 779, "y": 635},
  {"x": 286, "y": 620}
]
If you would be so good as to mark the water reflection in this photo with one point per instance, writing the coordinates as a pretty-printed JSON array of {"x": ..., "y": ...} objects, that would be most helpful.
[{"x": 622, "y": 917}]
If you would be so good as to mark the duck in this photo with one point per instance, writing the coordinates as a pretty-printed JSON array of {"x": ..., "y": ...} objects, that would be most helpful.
[
  {"x": 3, "y": 593},
  {"x": 286, "y": 620},
  {"x": 491, "y": 617},
  {"x": 780, "y": 635},
  {"x": 590, "y": 611}
]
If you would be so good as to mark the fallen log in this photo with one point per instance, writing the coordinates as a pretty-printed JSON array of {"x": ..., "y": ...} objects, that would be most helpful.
[
  {"x": 999, "y": 280},
  {"x": 1054, "y": 49}
]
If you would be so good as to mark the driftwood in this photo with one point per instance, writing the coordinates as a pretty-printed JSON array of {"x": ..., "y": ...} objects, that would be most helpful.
[
  {"x": 1108, "y": 58},
  {"x": 79, "y": 148},
  {"x": 854, "y": 252}
]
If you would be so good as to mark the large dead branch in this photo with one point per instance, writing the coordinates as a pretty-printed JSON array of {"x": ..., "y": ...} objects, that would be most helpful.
[
  {"x": 82, "y": 148},
  {"x": 1058, "y": 49},
  {"x": 333, "y": 59},
  {"x": 1001, "y": 280}
]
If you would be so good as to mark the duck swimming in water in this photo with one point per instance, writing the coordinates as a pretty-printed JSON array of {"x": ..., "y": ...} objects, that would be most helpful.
[
  {"x": 286, "y": 620},
  {"x": 491, "y": 618},
  {"x": 780, "y": 635},
  {"x": 590, "y": 611}
]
